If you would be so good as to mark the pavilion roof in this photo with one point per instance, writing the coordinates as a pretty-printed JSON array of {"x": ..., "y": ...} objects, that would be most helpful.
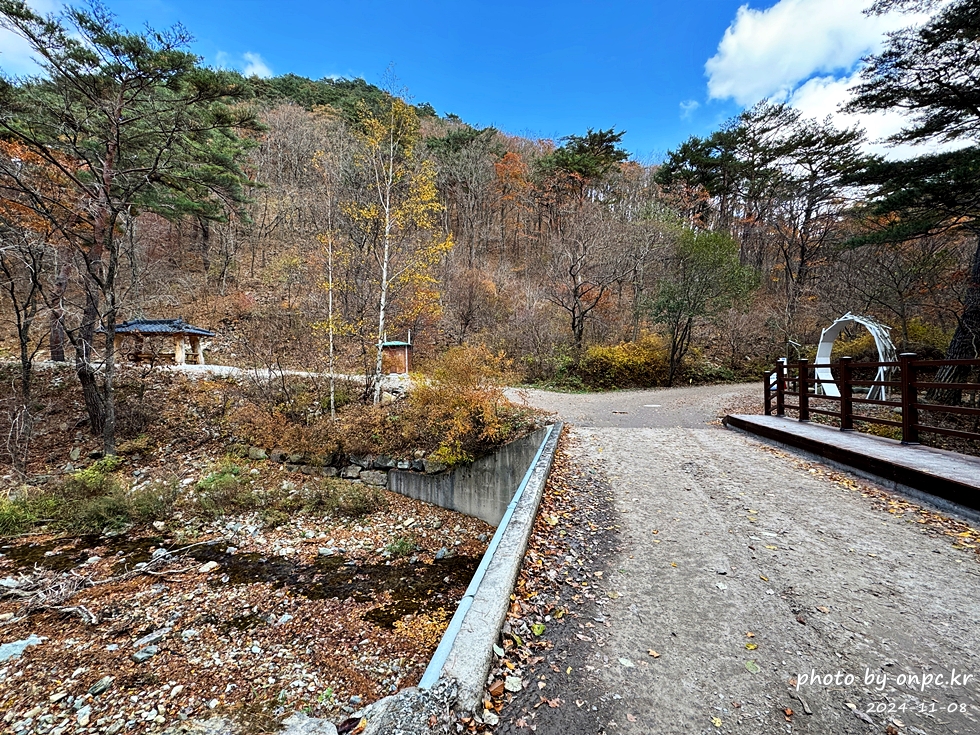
[{"x": 161, "y": 326}]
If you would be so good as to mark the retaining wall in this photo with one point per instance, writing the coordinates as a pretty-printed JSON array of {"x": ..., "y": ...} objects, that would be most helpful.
[{"x": 483, "y": 489}]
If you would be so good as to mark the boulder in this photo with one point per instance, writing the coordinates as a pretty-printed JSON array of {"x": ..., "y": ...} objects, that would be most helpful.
[
  {"x": 384, "y": 462},
  {"x": 433, "y": 467},
  {"x": 374, "y": 477}
]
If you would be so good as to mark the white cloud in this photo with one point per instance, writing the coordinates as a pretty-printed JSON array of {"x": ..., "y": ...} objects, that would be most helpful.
[
  {"x": 249, "y": 63},
  {"x": 807, "y": 53},
  {"x": 16, "y": 57},
  {"x": 821, "y": 97},
  {"x": 767, "y": 53},
  {"x": 688, "y": 107},
  {"x": 255, "y": 66}
]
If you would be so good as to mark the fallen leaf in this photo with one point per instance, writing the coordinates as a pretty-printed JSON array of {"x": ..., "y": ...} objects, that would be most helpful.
[
  {"x": 631, "y": 718},
  {"x": 497, "y": 688},
  {"x": 788, "y": 714},
  {"x": 627, "y": 663},
  {"x": 752, "y": 666},
  {"x": 653, "y": 653},
  {"x": 750, "y": 634},
  {"x": 716, "y": 721},
  {"x": 823, "y": 609},
  {"x": 513, "y": 684},
  {"x": 763, "y": 578},
  {"x": 351, "y": 725},
  {"x": 772, "y": 548},
  {"x": 538, "y": 629},
  {"x": 751, "y": 646}
]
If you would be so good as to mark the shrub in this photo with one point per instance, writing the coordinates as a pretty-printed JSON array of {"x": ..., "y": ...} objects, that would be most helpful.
[
  {"x": 928, "y": 340},
  {"x": 87, "y": 502},
  {"x": 343, "y": 498},
  {"x": 96, "y": 480},
  {"x": 140, "y": 444},
  {"x": 640, "y": 364},
  {"x": 354, "y": 499},
  {"x": 22, "y": 514},
  {"x": 460, "y": 405},
  {"x": 224, "y": 491},
  {"x": 401, "y": 546}
]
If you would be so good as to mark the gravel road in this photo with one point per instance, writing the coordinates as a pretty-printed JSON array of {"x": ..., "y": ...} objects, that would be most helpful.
[{"x": 753, "y": 592}]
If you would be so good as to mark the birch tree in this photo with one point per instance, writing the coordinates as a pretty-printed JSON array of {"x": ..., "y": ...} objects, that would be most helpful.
[{"x": 396, "y": 219}]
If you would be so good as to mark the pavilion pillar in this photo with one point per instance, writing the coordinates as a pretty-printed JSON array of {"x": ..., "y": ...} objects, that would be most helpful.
[
  {"x": 179, "y": 349},
  {"x": 197, "y": 348}
]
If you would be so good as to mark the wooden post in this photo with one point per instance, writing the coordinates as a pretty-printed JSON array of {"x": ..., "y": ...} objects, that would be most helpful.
[
  {"x": 910, "y": 414},
  {"x": 767, "y": 389},
  {"x": 803, "y": 388},
  {"x": 197, "y": 354},
  {"x": 846, "y": 394},
  {"x": 117, "y": 341},
  {"x": 179, "y": 349},
  {"x": 780, "y": 382}
]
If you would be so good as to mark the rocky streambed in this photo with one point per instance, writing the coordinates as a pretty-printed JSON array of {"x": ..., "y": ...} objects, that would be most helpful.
[{"x": 140, "y": 632}]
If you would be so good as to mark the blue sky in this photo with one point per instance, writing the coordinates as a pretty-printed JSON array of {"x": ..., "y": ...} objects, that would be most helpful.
[{"x": 662, "y": 71}]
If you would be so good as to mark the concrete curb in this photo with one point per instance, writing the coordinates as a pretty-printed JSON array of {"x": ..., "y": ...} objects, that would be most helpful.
[{"x": 466, "y": 649}]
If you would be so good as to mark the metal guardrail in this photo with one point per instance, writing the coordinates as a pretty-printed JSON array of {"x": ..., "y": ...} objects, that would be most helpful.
[{"x": 909, "y": 376}]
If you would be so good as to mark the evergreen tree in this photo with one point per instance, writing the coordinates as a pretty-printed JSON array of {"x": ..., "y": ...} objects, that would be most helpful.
[
  {"x": 931, "y": 72},
  {"x": 131, "y": 123}
]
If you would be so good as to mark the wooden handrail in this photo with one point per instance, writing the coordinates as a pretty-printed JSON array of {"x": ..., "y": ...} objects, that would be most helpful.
[{"x": 905, "y": 376}]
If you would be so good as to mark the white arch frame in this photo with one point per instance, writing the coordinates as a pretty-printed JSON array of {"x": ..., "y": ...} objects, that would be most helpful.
[{"x": 886, "y": 353}]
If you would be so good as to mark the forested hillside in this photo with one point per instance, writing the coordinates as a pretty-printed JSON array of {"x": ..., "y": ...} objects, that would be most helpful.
[{"x": 287, "y": 213}]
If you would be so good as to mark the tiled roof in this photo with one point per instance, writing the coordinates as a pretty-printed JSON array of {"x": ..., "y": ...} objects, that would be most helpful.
[{"x": 161, "y": 326}]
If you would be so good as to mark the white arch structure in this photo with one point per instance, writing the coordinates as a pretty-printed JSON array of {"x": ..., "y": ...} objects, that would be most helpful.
[{"x": 886, "y": 353}]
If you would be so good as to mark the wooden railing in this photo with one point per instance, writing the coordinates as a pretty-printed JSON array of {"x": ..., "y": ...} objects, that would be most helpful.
[{"x": 913, "y": 382}]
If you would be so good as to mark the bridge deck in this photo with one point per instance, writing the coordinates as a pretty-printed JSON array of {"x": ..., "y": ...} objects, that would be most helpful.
[{"x": 947, "y": 475}]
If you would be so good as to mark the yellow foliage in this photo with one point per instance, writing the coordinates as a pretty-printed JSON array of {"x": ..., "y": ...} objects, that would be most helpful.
[
  {"x": 463, "y": 402},
  {"x": 640, "y": 364},
  {"x": 425, "y": 629}
]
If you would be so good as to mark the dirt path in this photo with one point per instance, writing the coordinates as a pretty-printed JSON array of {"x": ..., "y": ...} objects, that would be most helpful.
[{"x": 750, "y": 573}]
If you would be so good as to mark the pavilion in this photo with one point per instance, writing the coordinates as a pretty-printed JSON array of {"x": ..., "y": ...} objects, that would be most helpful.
[{"x": 177, "y": 331}]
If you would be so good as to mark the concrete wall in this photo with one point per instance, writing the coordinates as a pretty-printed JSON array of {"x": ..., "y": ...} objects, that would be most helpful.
[{"x": 482, "y": 489}]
